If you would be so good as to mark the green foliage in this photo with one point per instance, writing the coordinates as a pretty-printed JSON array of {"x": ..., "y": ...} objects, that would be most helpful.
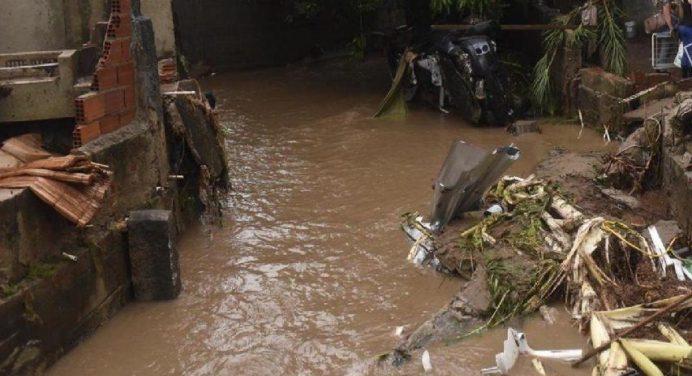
[
  {"x": 40, "y": 271},
  {"x": 309, "y": 9},
  {"x": 481, "y": 8},
  {"x": 8, "y": 290},
  {"x": 611, "y": 39},
  {"x": 608, "y": 36}
]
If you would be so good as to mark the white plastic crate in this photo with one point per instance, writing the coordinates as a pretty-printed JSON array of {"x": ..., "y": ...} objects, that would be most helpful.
[{"x": 663, "y": 50}]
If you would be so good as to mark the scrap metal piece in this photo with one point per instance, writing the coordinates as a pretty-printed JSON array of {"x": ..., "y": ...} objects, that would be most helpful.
[{"x": 465, "y": 176}]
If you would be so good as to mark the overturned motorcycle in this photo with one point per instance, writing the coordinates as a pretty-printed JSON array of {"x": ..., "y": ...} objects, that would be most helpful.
[{"x": 453, "y": 71}]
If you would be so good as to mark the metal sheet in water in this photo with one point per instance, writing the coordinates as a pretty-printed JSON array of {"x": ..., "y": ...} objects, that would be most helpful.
[{"x": 465, "y": 176}]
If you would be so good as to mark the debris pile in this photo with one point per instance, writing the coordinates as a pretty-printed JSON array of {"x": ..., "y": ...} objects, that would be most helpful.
[
  {"x": 539, "y": 247},
  {"x": 72, "y": 184}
]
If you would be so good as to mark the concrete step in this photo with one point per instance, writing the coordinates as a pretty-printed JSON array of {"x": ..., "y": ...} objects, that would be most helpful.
[{"x": 647, "y": 110}]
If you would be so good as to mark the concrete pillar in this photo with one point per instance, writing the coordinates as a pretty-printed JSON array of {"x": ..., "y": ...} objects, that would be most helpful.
[{"x": 153, "y": 256}]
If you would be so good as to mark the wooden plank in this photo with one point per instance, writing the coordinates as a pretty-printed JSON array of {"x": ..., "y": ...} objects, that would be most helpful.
[{"x": 535, "y": 27}]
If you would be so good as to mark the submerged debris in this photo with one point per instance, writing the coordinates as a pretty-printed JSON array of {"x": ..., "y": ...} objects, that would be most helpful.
[{"x": 541, "y": 247}]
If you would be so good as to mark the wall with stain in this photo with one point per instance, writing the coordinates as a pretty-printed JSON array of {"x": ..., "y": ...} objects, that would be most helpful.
[
  {"x": 41, "y": 25},
  {"x": 31, "y": 25}
]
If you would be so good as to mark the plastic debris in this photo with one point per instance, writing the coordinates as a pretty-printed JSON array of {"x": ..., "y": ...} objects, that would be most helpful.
[
  {"x": 680, "y": 272},
  {"x": 516, "y": 344},
  {"x": 548, "y": 314},
  {"x": 70, "y": 257},
  {"x": 507, "y": 358},
  {"x": 427, "y": 364},
  {"x": 494, "y": 209},
  {"x": 399, "y": 331},
  {"x": 538, "y": 366}
]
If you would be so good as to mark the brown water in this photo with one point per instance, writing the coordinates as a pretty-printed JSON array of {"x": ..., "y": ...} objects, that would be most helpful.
[{"x": 308, "y": 275}]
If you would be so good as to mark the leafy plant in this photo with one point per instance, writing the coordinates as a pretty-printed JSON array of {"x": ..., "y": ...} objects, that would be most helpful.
[
  {"x": 479, "y": 8},
  {"x": 611, "y": 39},
  {"x": 608, "y": 36}
]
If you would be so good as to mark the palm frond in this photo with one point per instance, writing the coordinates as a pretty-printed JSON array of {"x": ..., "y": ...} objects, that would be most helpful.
[{"x": 611, "y": 39}]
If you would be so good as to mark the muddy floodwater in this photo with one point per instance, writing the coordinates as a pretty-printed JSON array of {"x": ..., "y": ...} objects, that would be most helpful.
[{"x": 308, "y": 274}]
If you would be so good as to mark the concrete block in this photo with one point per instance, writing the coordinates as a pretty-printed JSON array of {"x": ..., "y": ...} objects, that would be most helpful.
[
  {"x": 677, "y": 183},
  {"x": 153, "y": 256},
  {"x": 31, "y": 231},
  {"x": 599, "y": 109},
  {"x": 599, "y": 80},
  {"x": 524, "y": 126}
]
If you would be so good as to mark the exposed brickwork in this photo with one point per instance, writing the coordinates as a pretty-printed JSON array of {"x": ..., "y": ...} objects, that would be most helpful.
[
  {"x": 89, "y": 107},
  {"x": 110, "y": 104}
]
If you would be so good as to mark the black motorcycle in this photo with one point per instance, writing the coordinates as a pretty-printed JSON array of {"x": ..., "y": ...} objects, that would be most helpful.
[{"x": 452, "y": 70}]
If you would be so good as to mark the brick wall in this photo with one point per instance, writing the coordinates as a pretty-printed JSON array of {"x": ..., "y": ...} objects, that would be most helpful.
[{"x": 111, "y": 102}]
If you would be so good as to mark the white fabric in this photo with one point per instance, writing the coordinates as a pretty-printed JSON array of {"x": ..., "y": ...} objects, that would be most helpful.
[{"x": 678, "y": 58}]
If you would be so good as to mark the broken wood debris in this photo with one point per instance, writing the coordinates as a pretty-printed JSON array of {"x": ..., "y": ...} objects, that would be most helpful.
[{"x": 543, "y": 245}]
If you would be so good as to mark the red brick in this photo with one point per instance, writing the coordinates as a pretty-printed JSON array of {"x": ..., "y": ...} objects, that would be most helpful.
[
  {"x": 88, "y": 132},
  {"x": 121, "y": 6},
  {"x": 111, "y": 54},
  {"x": 126, "y": 74},
  {"x": 125, "y": 49},
  {"x": 76, "y": 138},
  {"x": 127, "y": 117},
  {"x": 119, "y": 25},
  {"x": 129, "y": 97},
  {"x": 110, "y": 123},
  {"x": 105, "y": 78},
  {"x": 114, "y": 100},
  {"x": 89, "y": 107},
  {"x": 116, "y": 51}
]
